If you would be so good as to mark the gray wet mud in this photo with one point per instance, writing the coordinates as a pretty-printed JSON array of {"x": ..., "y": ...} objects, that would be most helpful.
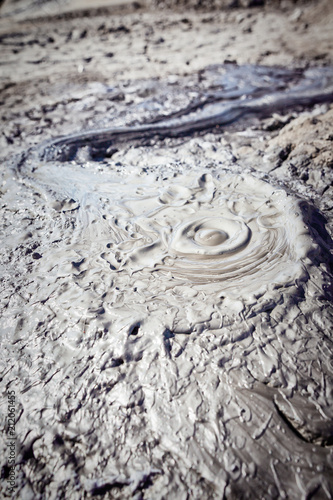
[
  {"x": 233, "y": 93},
  {"x": 167, "y": 305}
]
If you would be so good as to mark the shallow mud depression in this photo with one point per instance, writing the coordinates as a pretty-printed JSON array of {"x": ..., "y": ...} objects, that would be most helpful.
[{"x": 166, "y": 316}]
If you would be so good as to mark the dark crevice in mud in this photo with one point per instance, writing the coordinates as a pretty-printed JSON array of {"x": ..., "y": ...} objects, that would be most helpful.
[
  {"x": 167, "y": 335},
  {"x": 289, "y": 424},
  {"x": 317, "y": 224},
  {"x": 105, "y": 488},
  {"x": 27, "y": 451},
  {"x": 134, "y": 330},
  {"x": 310, "y": 437},
  {"x": 118, "y": 483},
  {"x": 235, "y": 93}
]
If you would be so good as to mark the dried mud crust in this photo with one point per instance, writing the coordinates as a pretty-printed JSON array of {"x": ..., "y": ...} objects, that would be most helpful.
[
  {"x": 34, "y": 49},
  {"x": 240, "y": 411}
]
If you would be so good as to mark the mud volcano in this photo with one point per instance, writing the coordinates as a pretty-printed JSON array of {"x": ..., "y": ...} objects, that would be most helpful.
[
  {"x": 167, "y": 310},
  {"x": 185, "y": 250}
]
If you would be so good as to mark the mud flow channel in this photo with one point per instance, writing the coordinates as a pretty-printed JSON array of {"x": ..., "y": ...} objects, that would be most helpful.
[{"x": 173, "y": 304}]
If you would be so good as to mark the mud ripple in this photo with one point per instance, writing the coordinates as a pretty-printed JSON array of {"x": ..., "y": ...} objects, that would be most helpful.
[
  {"x": 237, "y": 235},
  {"x": 191, "y": 250}
]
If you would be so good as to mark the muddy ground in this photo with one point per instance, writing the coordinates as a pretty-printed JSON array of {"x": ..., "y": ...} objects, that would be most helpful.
[
  {"x": 67, "y": 66},
  {"x": 49, "y": 64}
]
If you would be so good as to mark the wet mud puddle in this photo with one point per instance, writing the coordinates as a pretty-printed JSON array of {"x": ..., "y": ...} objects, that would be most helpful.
[{"x": 182, "y": 307}]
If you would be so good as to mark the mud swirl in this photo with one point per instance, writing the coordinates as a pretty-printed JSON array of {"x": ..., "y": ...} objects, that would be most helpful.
[
  {"x": 236, "y": 236},
  {"x": 186, "y": 248},
  {"x": 206, "y": 238}
]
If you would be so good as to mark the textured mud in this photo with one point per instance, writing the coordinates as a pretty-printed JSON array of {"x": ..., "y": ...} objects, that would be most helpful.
[
  {"x": 246, "y": 90},
  {"x": 166, "y": 298}
]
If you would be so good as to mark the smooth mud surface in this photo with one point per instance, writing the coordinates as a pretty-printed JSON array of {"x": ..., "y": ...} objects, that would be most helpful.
[{"x": 166, "y": 300}]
